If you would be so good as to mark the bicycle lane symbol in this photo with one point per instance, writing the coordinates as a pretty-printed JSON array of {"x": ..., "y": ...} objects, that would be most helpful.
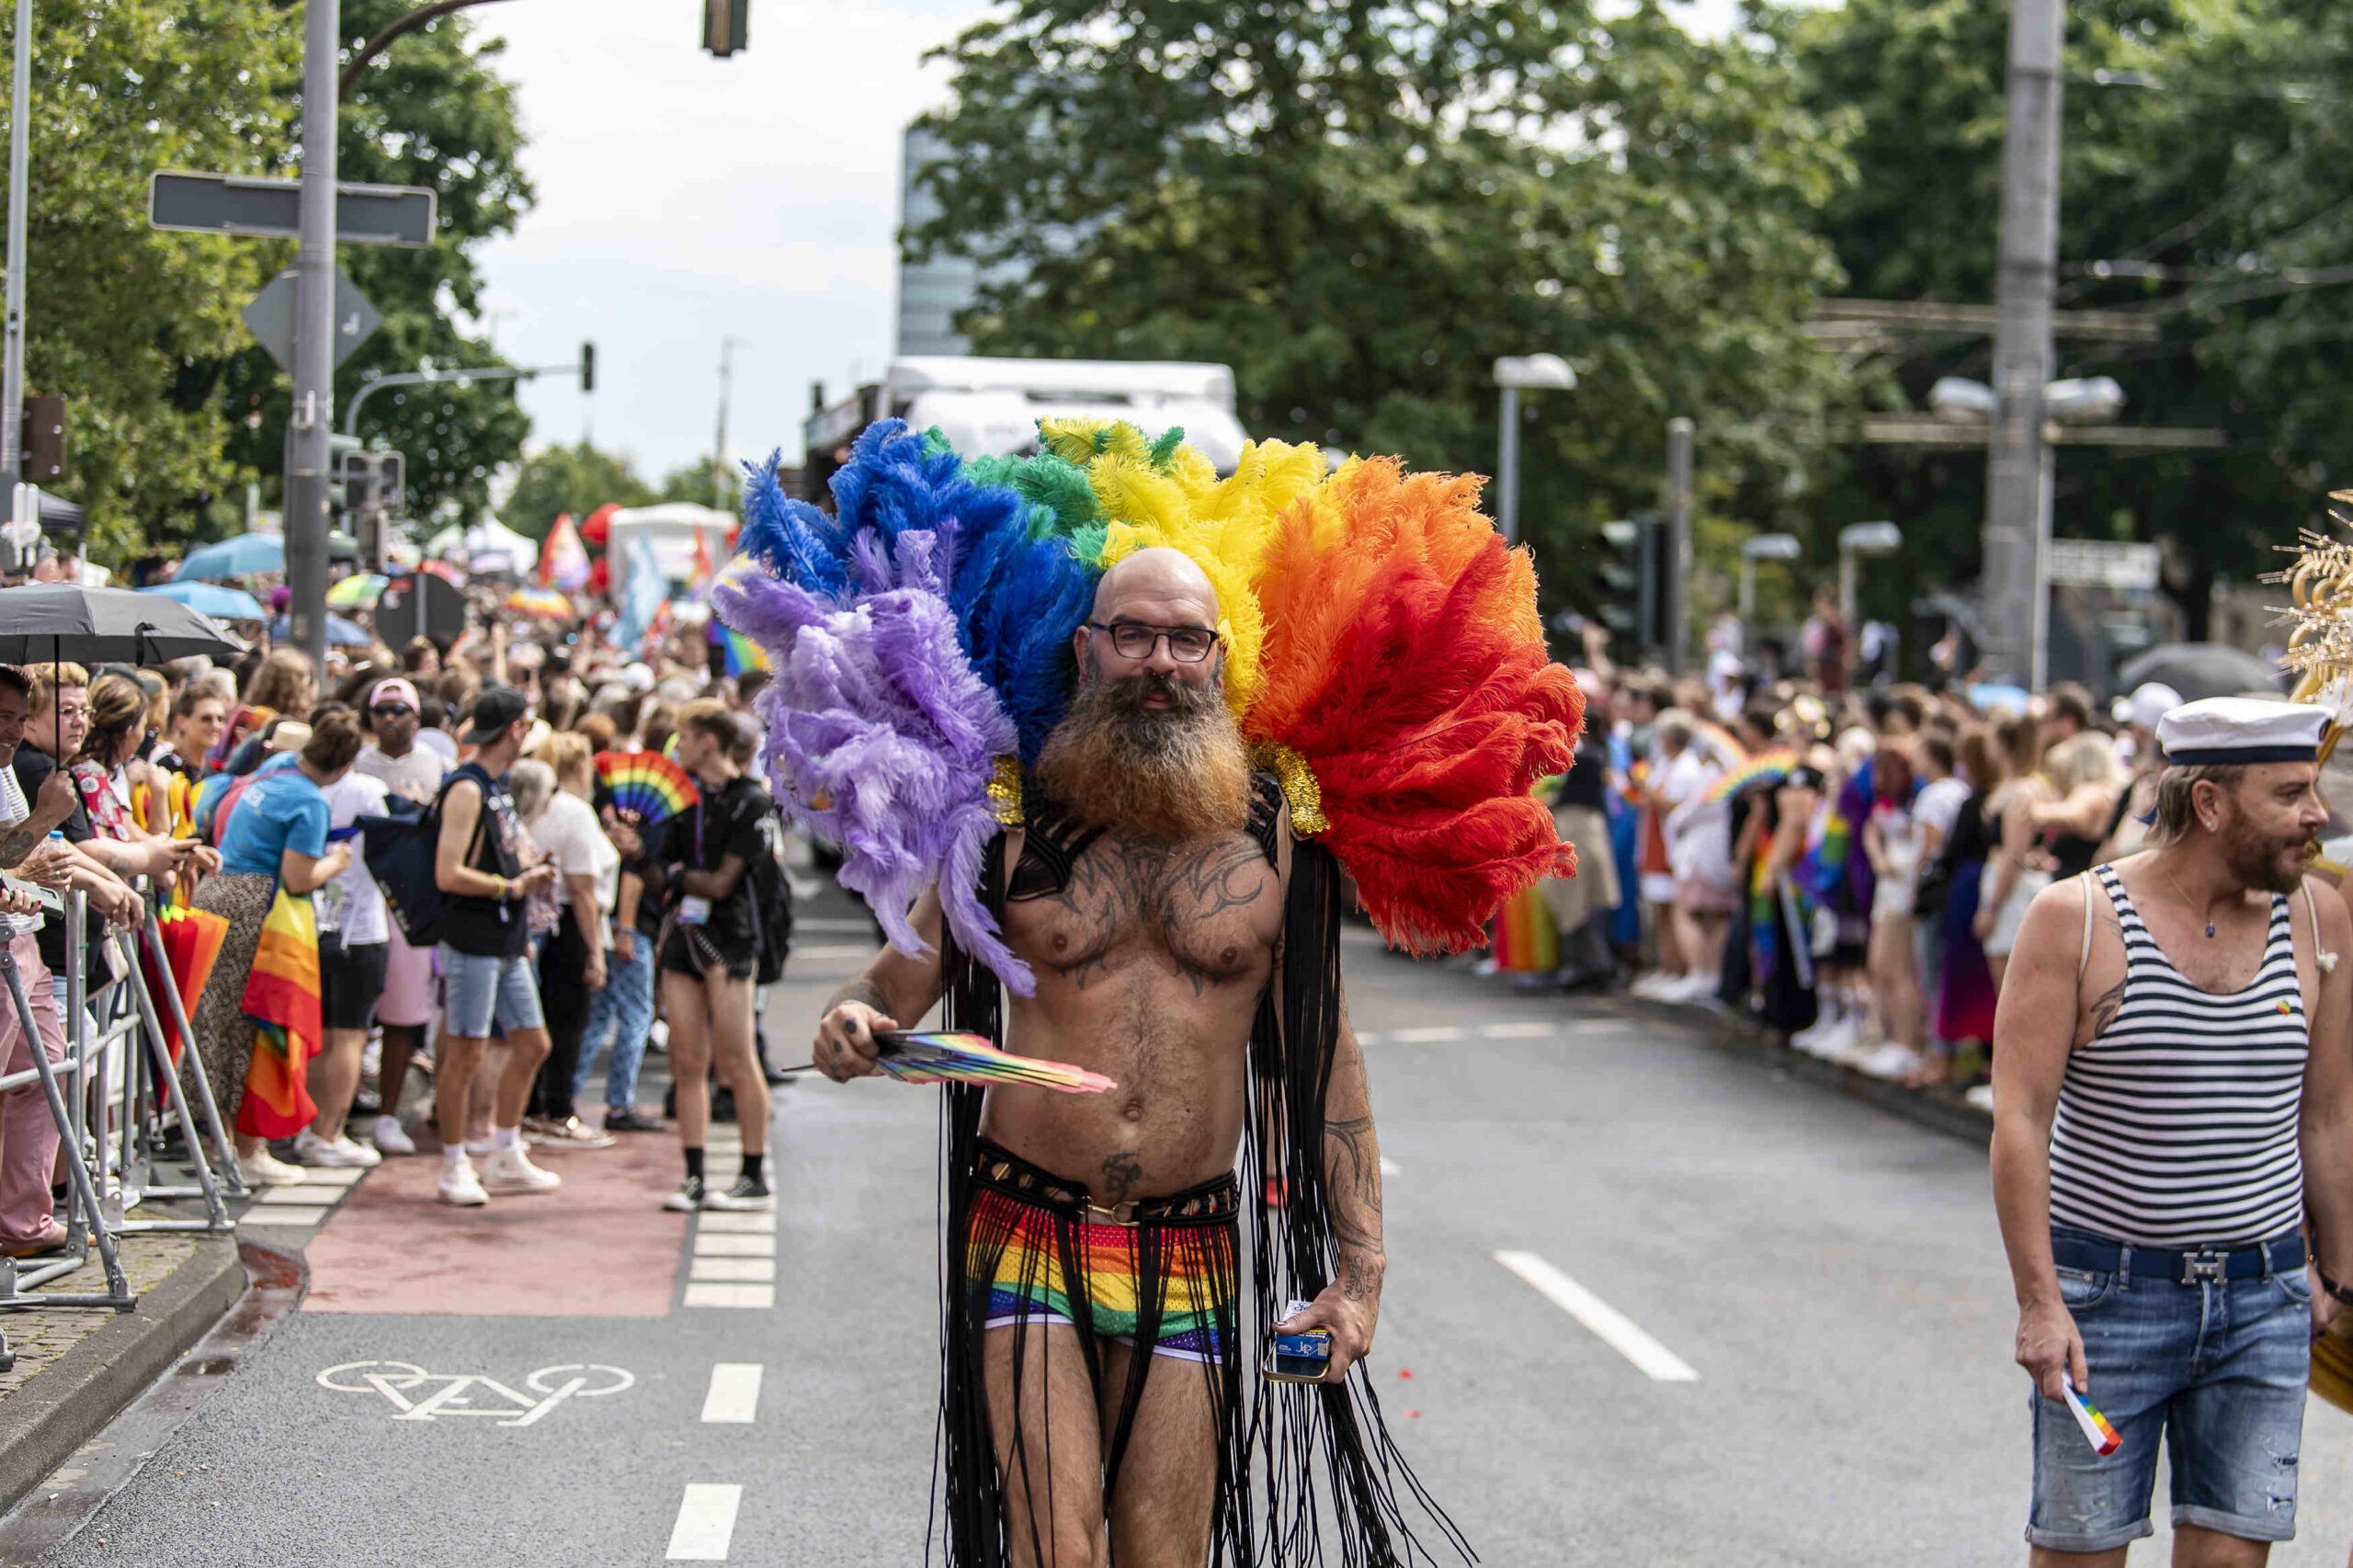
[{"x": 405, "y": 1384}]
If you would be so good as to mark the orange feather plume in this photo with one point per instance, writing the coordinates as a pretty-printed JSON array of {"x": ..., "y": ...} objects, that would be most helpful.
[{"x": 1405, "y": 662}]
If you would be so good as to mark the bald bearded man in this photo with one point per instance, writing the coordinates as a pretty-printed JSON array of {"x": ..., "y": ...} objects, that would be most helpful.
[{"x": 1096, "y": 1245}]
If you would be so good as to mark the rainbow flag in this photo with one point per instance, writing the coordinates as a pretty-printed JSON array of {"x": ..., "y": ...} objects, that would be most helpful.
[
  {"x": 1773, "y": 763},
  {"x": 282, "y": 999},
  {"x": 743, "y": 654},
  {"x": 1526, "y": 942}
]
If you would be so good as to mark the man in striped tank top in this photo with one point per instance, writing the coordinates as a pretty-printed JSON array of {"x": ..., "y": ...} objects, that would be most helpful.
[{"x": 2173, "y": 1094}]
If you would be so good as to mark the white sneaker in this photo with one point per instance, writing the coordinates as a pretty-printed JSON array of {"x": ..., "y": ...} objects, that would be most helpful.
[
  {"x": 263, "y": 1169},
  {"x": 1833, "y": 1043},
  {"x": 1653, "y": 987},
  {"x": 1688, "y": 988},
  {"x": 510, "y": 1170},
  {"x": 1893, "y": 1061},
  {"x": 390, "y": 1137},
  {"x": 1982, "y": 1097},
  {"x": 310, "y": 1149},
  {"x": 459, "y": 1188}
]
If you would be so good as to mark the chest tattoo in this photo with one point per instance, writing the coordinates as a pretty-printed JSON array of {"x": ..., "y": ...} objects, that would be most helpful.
[{"x": 1196, "y": 906}]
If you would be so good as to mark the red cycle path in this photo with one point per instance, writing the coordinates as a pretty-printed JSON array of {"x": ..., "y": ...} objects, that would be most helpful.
[{"x": 599, "y": 1247}]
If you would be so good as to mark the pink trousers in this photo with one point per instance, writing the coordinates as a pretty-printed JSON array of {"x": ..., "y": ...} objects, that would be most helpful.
[{"x": 27, "y": 1135}]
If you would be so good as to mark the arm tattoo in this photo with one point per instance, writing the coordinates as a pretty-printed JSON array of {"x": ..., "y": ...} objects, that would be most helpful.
[
  {"x": 19, "y": 844},
  {"x": 860, "y": 990},
  {"x": 1352, "y": 1172}
]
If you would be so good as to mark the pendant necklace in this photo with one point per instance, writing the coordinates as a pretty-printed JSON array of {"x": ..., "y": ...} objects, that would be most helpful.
[{"x": 2186, "y": 899}]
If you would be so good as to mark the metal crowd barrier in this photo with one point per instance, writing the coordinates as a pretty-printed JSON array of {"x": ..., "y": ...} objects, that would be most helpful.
[{"x": 100, "y": 1189}]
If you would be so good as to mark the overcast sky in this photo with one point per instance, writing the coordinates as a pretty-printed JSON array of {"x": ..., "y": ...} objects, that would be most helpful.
[{"x": 684, "y": 199}]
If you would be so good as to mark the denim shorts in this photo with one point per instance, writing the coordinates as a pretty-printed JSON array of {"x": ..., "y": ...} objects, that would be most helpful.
[
  {"x": 475, "y": 990},
  {"x": 2218, "y": 1368}
]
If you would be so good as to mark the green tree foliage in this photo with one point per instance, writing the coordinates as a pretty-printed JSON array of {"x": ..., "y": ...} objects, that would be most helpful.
[
  {"x": 1360, "y": 205},
  {"x": 123, "y": 321},
  {"x": 173, "y": 406},
  {"x": 575, "y": 479},
  {"x": 2211, "y": 161},
  {"x": 433, "y": 111}
]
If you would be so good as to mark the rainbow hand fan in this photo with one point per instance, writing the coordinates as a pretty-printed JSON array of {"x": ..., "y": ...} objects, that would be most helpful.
[
  {"x": 2097, "y": 1429},
  {"x": 646, "y": 787},
  {"x": 971, "y": 1059}
]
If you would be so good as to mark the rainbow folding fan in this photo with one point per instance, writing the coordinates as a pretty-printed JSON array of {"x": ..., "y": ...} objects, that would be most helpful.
[
  {"x": 913, "y": 1058},
  {"x": 644, "y": 787}
]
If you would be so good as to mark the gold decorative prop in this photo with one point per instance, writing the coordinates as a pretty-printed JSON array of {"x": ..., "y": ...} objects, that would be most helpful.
[
  {"x": 1299, "y": 788},
  {"x": 1004, "y": 792},
  {"x": 2320, "y": 611}
]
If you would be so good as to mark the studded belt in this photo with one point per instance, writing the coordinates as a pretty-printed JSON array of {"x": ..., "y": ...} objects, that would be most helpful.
[{"x": 1215, "y": 1201}]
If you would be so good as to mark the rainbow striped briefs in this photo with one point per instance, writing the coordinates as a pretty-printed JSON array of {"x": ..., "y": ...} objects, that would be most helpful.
[{"x": 1025, "y": 1283}]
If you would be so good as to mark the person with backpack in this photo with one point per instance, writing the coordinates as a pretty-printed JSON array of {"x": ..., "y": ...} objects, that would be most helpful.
[
  {"x": 710, "y": 952},
  {"x": 484, "y": 942}
]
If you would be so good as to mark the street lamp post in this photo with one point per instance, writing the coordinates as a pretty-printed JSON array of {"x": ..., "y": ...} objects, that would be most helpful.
[
  {"x": 1855, "y": 541},
  {"x": 1762, "y": 547},
  {"x": 1514, "y": 373}
]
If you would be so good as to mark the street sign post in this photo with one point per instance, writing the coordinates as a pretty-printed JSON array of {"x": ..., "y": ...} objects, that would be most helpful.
[
  {"x": 270, "y": 318},
  {"x": 241, "y": 204},
  {"x": 2104, "y": 563}
]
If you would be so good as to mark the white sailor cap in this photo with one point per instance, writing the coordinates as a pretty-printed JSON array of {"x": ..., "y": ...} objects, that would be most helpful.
[{"x": 2230, "y": 730}]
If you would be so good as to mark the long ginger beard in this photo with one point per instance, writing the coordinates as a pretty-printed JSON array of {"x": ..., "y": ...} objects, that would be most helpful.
[{"x": 1172, "y": 773}]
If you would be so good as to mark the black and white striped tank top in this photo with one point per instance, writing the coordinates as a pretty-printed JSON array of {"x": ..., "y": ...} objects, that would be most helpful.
[{"x": 2177, "y": 1126}]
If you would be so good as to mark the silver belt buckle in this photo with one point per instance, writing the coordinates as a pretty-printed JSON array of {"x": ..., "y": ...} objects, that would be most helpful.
[{"x": 2204, "y": 1268}]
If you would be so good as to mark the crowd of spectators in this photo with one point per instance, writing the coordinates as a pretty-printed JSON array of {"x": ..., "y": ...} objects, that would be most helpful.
[
  {"x": 220, "y": 787},
  {"x": 1848, "y": 869}
]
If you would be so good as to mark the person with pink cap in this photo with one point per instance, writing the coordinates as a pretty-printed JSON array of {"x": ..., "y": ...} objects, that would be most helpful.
[{"x": 406, "y": 1009}]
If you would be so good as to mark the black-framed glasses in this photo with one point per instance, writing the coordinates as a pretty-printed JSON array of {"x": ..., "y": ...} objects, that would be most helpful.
[
  {"x": 391, "y": 710},
  {"x": 1186, "y": 644}
]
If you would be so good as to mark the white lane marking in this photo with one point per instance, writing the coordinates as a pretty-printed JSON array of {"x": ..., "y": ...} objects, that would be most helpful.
[
  {"x": 1369, "y": 1037},
  {"x": 1598, "y": 1026},
  {"x": 1613, "y": 1327},
  {"x": 328, "y": 1175},
  {"x": 1427, "y": 1037},
  {"x": 838, "y": 928},
  {"x": 716, "y": 1295},
  {"x": 741, "y": 1271},
  {"x": 741, "y": 1223},
  {"x": 282, "y": 1215},
  {"x": 706, "y": 1522},
  {"x": 1533, "y": 1030},
  {"x": 714, "y": 1244},
  {"x": 1388, "y": 1166},
  {"x": 735, "y": 1396},
  {"x": 296, "y": 1196},
  {"x": 837, "y": 954}
]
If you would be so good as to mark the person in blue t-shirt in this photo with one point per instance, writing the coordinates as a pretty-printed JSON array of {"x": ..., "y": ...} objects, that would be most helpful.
[{"x": 275, "y": 836}]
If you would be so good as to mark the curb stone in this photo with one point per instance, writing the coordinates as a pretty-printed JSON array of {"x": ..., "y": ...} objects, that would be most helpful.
[
  {"x": 1940, "y": 1110},
  {"x": 73, "y": 1399}
]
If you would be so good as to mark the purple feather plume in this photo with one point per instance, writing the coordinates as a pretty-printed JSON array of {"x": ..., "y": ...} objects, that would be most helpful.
[{"x": 881, "y": 737}]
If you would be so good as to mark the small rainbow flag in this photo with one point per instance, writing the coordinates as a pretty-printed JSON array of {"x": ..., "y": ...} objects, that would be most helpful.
[
  {"x": 971, "y": 1059},
  {"x": 644, "y": 786},
  {"x": 1773, "y": 763},
  {"x": 2102, "y": 1437},
  {"x": 743, "y": 654},
  {"x": 1526, "y": 942}
]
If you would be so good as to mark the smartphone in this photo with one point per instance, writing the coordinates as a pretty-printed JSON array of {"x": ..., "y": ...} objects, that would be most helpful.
[{"x": 1302, "y": 1358}]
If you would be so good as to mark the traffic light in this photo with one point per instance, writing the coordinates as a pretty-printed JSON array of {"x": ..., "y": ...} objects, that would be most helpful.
[
  {"x": 1633, "y": 573},
  {"x": 588, "y": 366},
  {"x": 340, "y": 451},
  {"x": 724, "y": 25}
]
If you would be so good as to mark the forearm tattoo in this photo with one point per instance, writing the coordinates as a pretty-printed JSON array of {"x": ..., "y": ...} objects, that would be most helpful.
[
  {"x": 1352, "y": 1174},
  {"x": 16, "y": 845}
]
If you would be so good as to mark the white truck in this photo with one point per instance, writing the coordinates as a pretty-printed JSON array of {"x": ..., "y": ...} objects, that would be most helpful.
[{"x": 991, "y": 407}]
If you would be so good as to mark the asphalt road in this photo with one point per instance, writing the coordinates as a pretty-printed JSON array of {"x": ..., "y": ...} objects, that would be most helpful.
[{"x": 1802, "y": 1352}]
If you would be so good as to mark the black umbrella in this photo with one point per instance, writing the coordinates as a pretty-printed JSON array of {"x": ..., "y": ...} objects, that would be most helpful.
[
  {"x": 47, "y": 622},
  {"x": 2201, "y": 669}
]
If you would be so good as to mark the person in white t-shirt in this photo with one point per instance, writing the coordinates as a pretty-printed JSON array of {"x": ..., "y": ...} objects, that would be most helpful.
[
  {"x": 573, "y": 966},
  {"x": 353, "y": 929},
  {"x": 1678, "y": 772},
  {"x": 406, "y": 1009}
]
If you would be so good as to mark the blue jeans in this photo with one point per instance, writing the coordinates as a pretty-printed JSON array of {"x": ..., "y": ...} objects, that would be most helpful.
[
  {"x": 625, "y": 1006},
  {"x": 2216, "y": 1369},
  {"x": 477, "y": 991}
]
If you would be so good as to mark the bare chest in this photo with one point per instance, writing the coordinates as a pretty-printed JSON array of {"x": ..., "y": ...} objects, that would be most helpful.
[{"x": 1209, "y": 911}]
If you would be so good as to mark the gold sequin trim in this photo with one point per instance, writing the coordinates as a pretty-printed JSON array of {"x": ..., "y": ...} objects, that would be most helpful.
[
  {"x": 1298, "y": 779},
  {"x": 1004, "y": 792}
]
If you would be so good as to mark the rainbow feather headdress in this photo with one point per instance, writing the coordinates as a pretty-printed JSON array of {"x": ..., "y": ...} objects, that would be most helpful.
[{"x": 1383, "y": 653}]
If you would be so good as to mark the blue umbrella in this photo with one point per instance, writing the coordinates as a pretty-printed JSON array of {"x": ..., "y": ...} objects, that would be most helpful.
[
  {"x": 213, "y": 599},
  {"x": 240, "y": 557},
  {"x": 341, "y": 633}
]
